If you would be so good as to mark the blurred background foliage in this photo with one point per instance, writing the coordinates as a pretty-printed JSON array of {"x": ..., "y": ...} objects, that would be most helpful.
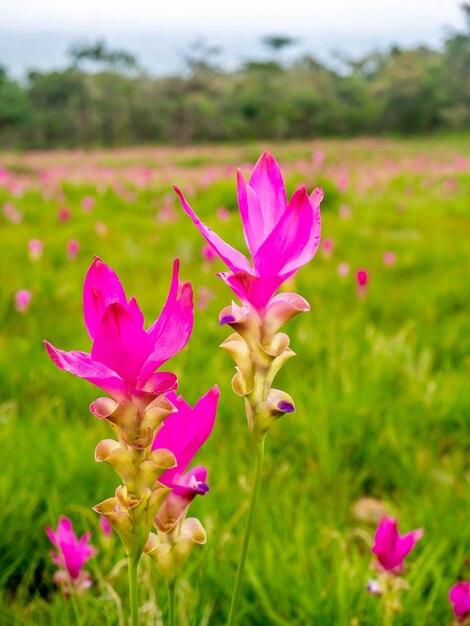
[{"x": 104, "y": 98}]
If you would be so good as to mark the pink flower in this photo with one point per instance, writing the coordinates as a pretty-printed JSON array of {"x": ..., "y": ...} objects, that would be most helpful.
[
  {"x": 64, "y": 214},
  {"x": 88, "y": 202},
  {"x": 343, "y": 269},
  {"x": 328, "y": 247},
  {"x": 105, "y": 526},
  {"x": 281, "y": 237},
  {"x": 101, "y": 229},
  {"x": 389, "y": 258},
  {"x": 362, "y": 282},
  {"x": 183, "y": 433},
  {"x": 318, "y": 157},
  {"x": 204, "y": 296},
  {"x": 35, "y": 249},
  {"x": 11, "y": 213},
  {"x": 223, "y": 214},
  {"x": 390, "y": 547},
  {"x": 73, "y": 248},
  {"x": 124, "y": 355},
  {"x": 208, "y": 253},
  {"x": 72, "y": 553},
  {"x": 459, "y": 596},
  {"x": 344, "y": 211},
  {"x": 22, "y": 299}
]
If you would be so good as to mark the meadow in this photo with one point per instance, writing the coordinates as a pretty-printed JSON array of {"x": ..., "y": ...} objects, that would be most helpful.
[{"x": 380, "y": 381}]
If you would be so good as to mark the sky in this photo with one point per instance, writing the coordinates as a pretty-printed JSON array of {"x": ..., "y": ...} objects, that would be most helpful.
[{"x": 37, "y": 33}]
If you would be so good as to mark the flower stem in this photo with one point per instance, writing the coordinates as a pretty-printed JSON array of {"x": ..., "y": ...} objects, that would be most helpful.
[
  {"x": 172, "y": 603},
  {"x": 259, "y": 457},
  {"x": 133, "y": 562},
  {"x": 76, "y": 613}
]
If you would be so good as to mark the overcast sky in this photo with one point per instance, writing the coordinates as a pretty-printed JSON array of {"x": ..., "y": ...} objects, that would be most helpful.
[{"x": 37, "y": 33}]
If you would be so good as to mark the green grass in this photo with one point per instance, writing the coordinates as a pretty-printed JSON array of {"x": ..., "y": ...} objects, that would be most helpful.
[{"x": 380, "y": 385}]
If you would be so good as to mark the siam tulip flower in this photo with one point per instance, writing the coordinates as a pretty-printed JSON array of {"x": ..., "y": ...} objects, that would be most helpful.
[
  {"x": 390, "y": 547},
  {"x": 343, "y": 181},
  {"x": 208, "y": 253},
  {"x": 344, "y": 269},
  {"x": 344, "y": 211},
  {"x": 105, "y": 526},
  {"x": 72, "y": 554},
  {"x": 459, "y": 596},
  {"x": 22, "y": 300},
  {"x": 35, "y": 249},
  {"x": 101, "y": 229},
  {"x": 389, "y": 258},
  {"x": 328, "y": 247},
  {"x": 223, "y": 214},
  {"x": 204, "y": 296},
  {"x": 281, "y": 237},
  {"x": 64, "y": 214},
  {"x": 73, "y": 248},
  {"x": 362, "y": 282},
  {"x": 11, "y": 213},
  {"x": 88, "y": 203}
]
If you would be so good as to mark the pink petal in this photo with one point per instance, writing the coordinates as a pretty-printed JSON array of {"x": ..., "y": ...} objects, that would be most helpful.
[
  {"x": 459, "y": 595},
  {"x": 102, "y": 287},
  {"x": 292, "y": 242},
  {"x": 254, "y": 227},
  {"x": 172, "y": 334},
  {"x": 121, "y": 343},
  {"x": 83, "y": 365},
  {"x": 249, "y": 288},
  {"x": 266, "y": 181},
  {"x": 185, "y": 432},
  {"x": 161, "y": 382},
  {"x": 234, "y": 259}
]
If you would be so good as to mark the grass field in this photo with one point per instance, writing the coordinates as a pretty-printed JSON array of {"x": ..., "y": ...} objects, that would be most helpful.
[{"x": 381, "y": 383}]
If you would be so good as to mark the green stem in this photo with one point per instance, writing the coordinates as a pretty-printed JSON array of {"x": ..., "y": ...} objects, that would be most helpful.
[
  {"x": 259, "y": 457},
  {"x": 172, "y": 603},
  {"x": 133, "y": 562},
  {"x": 75, "y": 608}
]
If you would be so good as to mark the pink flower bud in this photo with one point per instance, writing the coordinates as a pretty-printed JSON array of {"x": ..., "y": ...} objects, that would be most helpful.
[
  {"x": 22, "y": 299},
  {"x": 327, "y": 247},
  {"x": 223, "y": 214},
  {"x": 35, "y": 249},
  {"x": 208, "y": 253},
  {"x": 105, "y": 526},
  {"x": 64, "y": 214},
  {"x": 343, "y": 269},
  {"x": 390, "y": 547},
  {"x": 389, "y": 258},
  {"x": 73, "y": 248},
  {"x": 459, "y": 597},
  {"x": 88, "y": 203},
  {"x": 362, "y": 281}
]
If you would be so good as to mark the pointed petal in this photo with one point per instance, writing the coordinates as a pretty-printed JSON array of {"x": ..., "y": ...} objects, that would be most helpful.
[
  {"x": 83, "y": 365},
  {"x": 234, "y": 259},
  {"x": 121, "y": 343},
  {"x": 266, "y": 181},
  {"x": 252, "y": 219},
  {"x": 167, "y": 310},
  {"x": 173, "y": 333},
  {"x": 252, "y": 289},
  {"x": 102, "y": 287}
]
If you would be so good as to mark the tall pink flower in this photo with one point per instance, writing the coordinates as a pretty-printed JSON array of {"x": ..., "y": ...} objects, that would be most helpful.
[
  {"x": 390, "y": 547},
  {"x": 459, "y": 596},
  {"x": 281, "y": 236},
  {"x": 72, "y": 554},
  {"x": 183, "y": 433},
  {"x": 124, "y": 355}
]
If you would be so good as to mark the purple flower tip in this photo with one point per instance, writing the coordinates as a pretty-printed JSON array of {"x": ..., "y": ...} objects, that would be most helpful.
[
  {"x": 286, "y": 407},
  {"x": 226, "y": 319},
  {"x": 203, "y": 488}
]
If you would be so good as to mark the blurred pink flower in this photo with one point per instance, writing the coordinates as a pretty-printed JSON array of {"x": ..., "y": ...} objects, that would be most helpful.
[
  {"x": 11, "y": 213},
  {"x": 35, "y": 249},
  {"x": 459, "y": 596},
  {"x": 281, "y": 237},
  {"x": 343, "y": 181},
  {"x": 343, "y": 269},
  {"x": 183, "y": 433},
  {"x": 208, "y": 253},
  {"x": 88, "y": 203},
  {"x": 72, "y": 554},
  {"x": 362, "y": 282},
  {"x": 64, "y": 214},
  {"x": 389, "y": 258},
  {"x": 390, "y": 547},
  {"x": 124, "y": 356},
  {"x": 327, "y": 247},
  {"x": 22, "y": 299},
  {"x": 344, "y": 211},
  {"x": 204, "y": 296},
  {"x": 105, "y": 526},
  {"x": 223, "y": 214},
  {"x": 101, "y": 229},
  {"x": 318, "y": 157},
  {"x": 73, "y": 248}
]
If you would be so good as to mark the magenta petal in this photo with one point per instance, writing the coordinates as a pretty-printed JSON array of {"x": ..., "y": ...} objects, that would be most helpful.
[
  {"x": 459, "y": 595},
  {"x": 185, "y": 431},
  {"x": 161, "y": 382},
  {"x": 288, "y": 240},
  {"x": 253, "y": 225},
  {"x": 251, "y": 289},
  {"x": 164, "y": 318},
  {"x": 134, "y": 309},
  {"x": 121, "y": 343},
  {"x": 234, "y": 259},
  {"x": 390, "y": 547},
  {"x": 266, "y": 181},
  {"x": 102, "y": 287},
  {"x": 83, "y": 365},
  {"x": 173, "y": 333}
]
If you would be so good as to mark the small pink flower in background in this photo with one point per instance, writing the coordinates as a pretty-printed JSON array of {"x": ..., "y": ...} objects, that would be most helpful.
[
  {"x": 73, "y": 248},
  {"x": 105, "y": 526},
  {"x": 459, "y": 597},
  {"x": 124, "y": 356},
  {"x": 344, "y": 211},
  {"x": 72, "y": 554},
  {"x": 64, "y": 214},
  {"x": 223, "y": 214},
  {"x": 11, "y": 213},
  {"x": 389, "y": 258},
  {"x": 362, "y": 282},
  {"x": 318, "y": 158},
  {"x": 22, "y": 300},
  {"x": 204, "y": 296},
  {"x": 450, "y": 184},
  {"x": 183, "y": 433},
  {"x": 35, "y": 249},
  {"x": 101, "y": 229},
  {"x": 281, "y": 237},
  {"x": 208, "y": 253},
  {"x": 88, "y": 203},
  {"x": 327, "y": 247},
  {"x": 342, "y": 181},
  {"x": 344, "y": 269},
  {"x": 390, "y": 547},
  {"x": 167, "y": 214}
]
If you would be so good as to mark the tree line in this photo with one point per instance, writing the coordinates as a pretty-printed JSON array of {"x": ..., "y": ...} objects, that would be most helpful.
[{"x": 103, "y": 98}]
